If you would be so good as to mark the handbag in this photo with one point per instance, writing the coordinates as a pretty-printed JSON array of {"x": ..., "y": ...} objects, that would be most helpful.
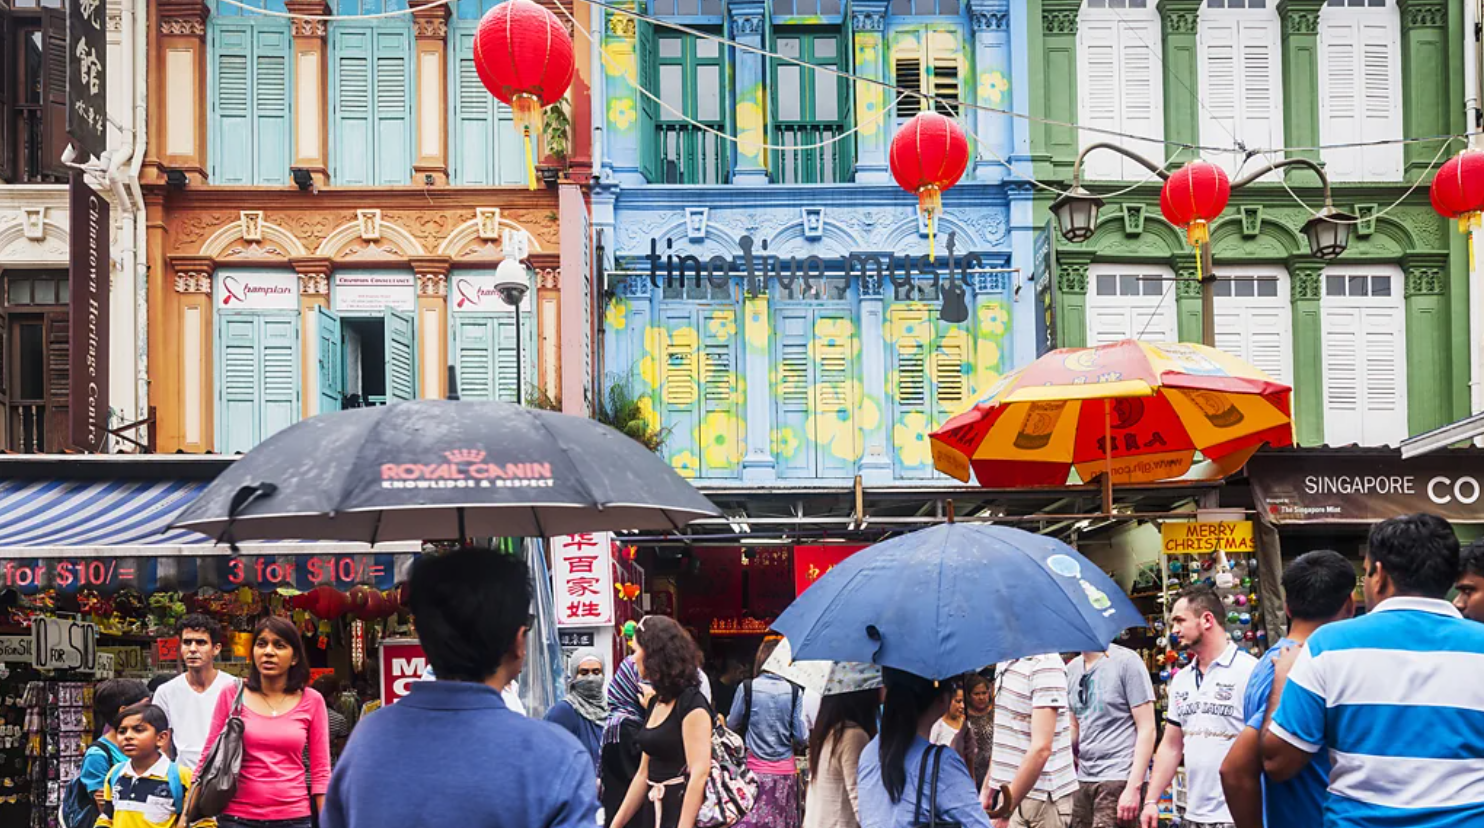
[
  {"x": 214, "y": 788},
  {"x": 932, "y": 784},
  {"x": 731, "y": 788}
]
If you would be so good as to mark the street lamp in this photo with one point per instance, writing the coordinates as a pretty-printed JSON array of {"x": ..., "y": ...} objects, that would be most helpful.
[
  {"x": 1328, "y": 232},
  {"x": 512, "y": 283}
]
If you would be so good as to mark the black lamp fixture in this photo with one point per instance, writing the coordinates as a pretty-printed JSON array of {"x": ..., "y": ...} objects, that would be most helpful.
[
  {"x": 177, "y": 179},
  {"x": 302, "y": 178},
  {"x": 1076, "y": 214},
  {"x": 1328, "y": 233}
]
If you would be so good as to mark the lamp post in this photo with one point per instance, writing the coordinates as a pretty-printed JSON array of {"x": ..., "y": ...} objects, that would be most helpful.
[
  {"x": 512, "y": 282},
  {"x": 1076, "y": 215}
]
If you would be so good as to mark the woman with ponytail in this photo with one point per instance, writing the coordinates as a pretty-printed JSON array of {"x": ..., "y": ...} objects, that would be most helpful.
[{"x": 891, "y": 768}]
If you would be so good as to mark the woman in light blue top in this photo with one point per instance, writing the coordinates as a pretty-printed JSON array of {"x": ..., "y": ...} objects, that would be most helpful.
[
  {"x": 768, "y": 713},
  {"x": 891, "y": 766}
]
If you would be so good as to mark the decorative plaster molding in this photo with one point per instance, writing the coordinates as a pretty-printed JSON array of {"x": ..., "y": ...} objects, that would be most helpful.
[
  {"x": 1133, "y": 219},
  {"x": 252, "y": 225},
  {"x": 193, "y": 282},
  {"x": 868, "y": 21},
  {"x": 489, "y": 222},
  {"x": 1186, "y": 286},
  {"x": 621, "y": 25},
  {"x": 990, "y": 21},
  {"x": 115, "y": 21},
  {"x": 1424, "y": 280},
  {"x": 635, "y": 287},
  {"x": 1181, "y": 21},
  {"x": 314, "y": 284},
  {"x": 1423, "y": 14},
  {"x": 813, "y": 223},
  {"x": 695, "y": 223},
  {"x": 33, "y": 223},
  {"x": 1300, "y": 21},
  {"x": 370, "y": 222},
  {"x": 870, "y": 284},
  {"x": 747, "y": 24},
  {"x": 1304, "y": 281},
  {"x": 1071, "y": 278},
  {"x": 434, "y": 29},
  {"x": 308, "y": 28},
  {"x": 1059, "y": 22},
  {"x": 183, "y": 26},
  {"x": 432, "y": 284},
  {"x": 546, "y": 277}
]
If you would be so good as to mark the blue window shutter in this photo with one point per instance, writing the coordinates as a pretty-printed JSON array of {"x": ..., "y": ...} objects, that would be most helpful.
[
  {"x": 510, "y": 155},
  {"x": 331, "y": 367},
  {"x": 280, "y": 371},
  {"x": 680, "y": 382},
  {"x": 473, "y": 355},
  {"x": 350, "y": 83},
  {"x": 720, "y": 394},
  {"x": 393, "y": 84},
  {"x": 473, "y": 127},
  {"x": 508, "y": 379},
  {"x": 238, "y": 383},
  {"x": 271, "y": 98},
  {"x": 911, "y": 390},
  {"x": 835, "y": 392},
  {"x": 794, "y": 389},
  {"x": 230, "y": 150},
  {"x": 401, "y": 368}
]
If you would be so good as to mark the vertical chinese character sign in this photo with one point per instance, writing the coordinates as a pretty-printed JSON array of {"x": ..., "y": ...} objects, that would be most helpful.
[
  {"x": 87, "y": 89},
  {"x": 582, "y": 579}
]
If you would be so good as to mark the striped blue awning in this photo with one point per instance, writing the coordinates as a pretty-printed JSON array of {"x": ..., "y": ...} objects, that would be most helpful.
[{"x": 73, "y": 534}]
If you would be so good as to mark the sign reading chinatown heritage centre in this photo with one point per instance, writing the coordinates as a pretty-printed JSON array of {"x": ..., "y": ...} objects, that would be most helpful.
[{"x": 87, "y": 316}]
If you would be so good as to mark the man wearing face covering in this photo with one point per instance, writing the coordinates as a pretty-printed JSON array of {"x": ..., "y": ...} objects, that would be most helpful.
[{"x": 585, "y": 709}]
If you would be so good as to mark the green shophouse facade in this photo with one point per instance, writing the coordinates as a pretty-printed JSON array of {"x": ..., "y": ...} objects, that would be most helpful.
[{"x": 1374, "y": 343}]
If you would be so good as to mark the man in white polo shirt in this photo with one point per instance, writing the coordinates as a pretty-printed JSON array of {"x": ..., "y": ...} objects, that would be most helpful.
[{"x": 1205, "y": 715}]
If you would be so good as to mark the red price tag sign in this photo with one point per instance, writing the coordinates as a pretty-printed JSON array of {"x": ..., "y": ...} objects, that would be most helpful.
[{"x": 167, "y": 651}]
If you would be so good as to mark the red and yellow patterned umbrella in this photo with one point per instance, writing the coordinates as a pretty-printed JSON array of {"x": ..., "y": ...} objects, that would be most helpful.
[{"x": 1144, "y": 408}]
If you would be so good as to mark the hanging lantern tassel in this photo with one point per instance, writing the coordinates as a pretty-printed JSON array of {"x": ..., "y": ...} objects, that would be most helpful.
[
  {"x": 527, "y": 111},
  {"x": 1197, "y": 232},
  {"x": 930, "y": 202}
]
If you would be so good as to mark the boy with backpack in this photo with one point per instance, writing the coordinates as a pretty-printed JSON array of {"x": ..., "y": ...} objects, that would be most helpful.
[
  {"x": 84, "y": 793},
  {"x": 148, "y": 790}
]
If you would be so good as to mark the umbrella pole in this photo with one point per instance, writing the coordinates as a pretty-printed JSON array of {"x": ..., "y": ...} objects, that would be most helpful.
[
  {"x": 1108, "y": 456},
  {"x": 462, "y": 534}
]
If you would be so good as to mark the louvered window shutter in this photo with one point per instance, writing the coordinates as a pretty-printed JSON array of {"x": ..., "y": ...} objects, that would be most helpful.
[
  {"x": 1260, "y": 85},
  {"x": 393, "y": 85},
  {"x": 331, "y": 367},
  {"x": 238, "y": 396},
  {"x": 1140, "y": 96},
  {"x": 795, "y": 328},
  {"x": 1220, "y": 66},
  {"x": 474, "y": 354},
  {"x": 231, "y": 156},
  {"x": 473, "y": 128},
  {"x": 270, "y": 128},
  {"x": 834, "y": 363},
  {"x": 907, "y": 65},
  {"x": 647, "y": 57},
  {"x": 950, "y": 373},
  {"x": 508, "y": 376},
  {"x": 58, "y": 382},
  {"x": 7, "y": 121},
  {"x": 719, "y": 392},
  {"x": 944, "y": 59},
  {"x": 280, "y": 367},
  {"x": 1382, "y": 387},
  {"x": 1339, "y": 94},
  {"x": 910, "y": 353},
  {"x": 353, "y": 152},
  {"x": 401, "y": 364},
  {"x": 54, "y": 93},
  {"x": 1380, "y": 44},
  {"x": 1099, "y": 89}
]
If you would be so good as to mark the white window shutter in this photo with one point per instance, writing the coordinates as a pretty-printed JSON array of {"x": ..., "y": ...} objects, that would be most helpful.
[
  {"x": 1380, "y": 44},
  {"x": 1260, "y": 124},
  {"x": 1339, "y": 98},
  {"x": 1110, "y": 324},
  {"x": 1219, "y": 87},
  {"x": 1100, "y": 90},
  {"x": 1360, "y": 92},
  {"x": 1383, "y": 394},
  {"x": 1142, "y": 104},
  {"x": 1342, "y": 375}
]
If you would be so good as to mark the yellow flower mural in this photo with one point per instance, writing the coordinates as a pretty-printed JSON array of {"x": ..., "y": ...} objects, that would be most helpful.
[
  {"x": 723, "y": 324},
  {"x": 910, "y": 436},
  {"x": 994, "y": 87},
  {"x": 987, "y": 364},
  {"x": 622, "y": 113},
  {"x": 720, "y": 441},
  {"x": 757, "y": 323},
  {"x": 841, "y": 414},
  {"x": 751, "y": 126},
  {"x": 866, "y": 46},
  {"x": 993, "y": 318},
  {"x": 686, "y": 464},
  {"x": 646, "y": 410},
  {"x": 615, "y": 315},
  {"x": 872, "y": 100},
  {"x": 952, "y": 356},
  {"x": 652, "y": 366},
  {"x": 907, "y": 323},
  {"x": 785, "y": 442},
  {"x": 618, "y": 59},
  {"x": 832, "y": 337}
]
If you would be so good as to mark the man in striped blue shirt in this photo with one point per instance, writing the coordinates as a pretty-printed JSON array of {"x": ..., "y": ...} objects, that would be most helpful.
[{"x": 1395, "y": 697}]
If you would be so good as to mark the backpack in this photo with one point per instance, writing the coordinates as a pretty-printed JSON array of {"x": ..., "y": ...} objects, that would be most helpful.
[
  {"x": 731, "y": 788},
  {"x": 793, "y": 690},
  {"x": 79, "y": 809},
  {"x": 172, "y": 776}
]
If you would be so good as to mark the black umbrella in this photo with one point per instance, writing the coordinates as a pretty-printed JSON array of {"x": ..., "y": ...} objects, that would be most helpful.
[{"x": 440, "y": 469}]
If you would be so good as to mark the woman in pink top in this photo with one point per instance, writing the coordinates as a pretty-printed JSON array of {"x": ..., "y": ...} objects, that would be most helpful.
[{"x": 280, "y": 715}]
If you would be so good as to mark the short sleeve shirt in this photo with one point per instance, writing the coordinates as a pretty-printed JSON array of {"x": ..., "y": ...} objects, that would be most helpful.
[
  {"x": 1208, "y": 708},
  {"x": 1103, "y": 699},
  {"x": 1021, "y": 686}
]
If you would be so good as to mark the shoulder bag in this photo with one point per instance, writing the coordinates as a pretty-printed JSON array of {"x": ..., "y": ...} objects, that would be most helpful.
[
  {"x": 213, "y": 789},
  {"x": 931, "y": 783}
]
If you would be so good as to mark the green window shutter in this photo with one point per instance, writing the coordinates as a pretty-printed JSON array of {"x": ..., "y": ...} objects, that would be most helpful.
[
  {"x": 401, "y": 368},
  {"x": 473, "y": 127},
  {"x": 270, "y": 133},
  {"x": 793, "y": 392},
  {"x": 720, "y": 394},
  {"x": 238, "y": 383},
  {"x": 835, "y": 394},
  {"x": 646, "y": 53},
  {"x": 393, "y": 85},
  {"x": 330, "y": 368},
  {"x": 280, "y": 367},
  {"x": 473, "y": 354},
  {"x": 230, "y": 158},
  {"x": 351, "y": 91}
]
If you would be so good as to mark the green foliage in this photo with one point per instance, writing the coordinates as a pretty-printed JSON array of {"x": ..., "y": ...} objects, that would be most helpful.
[
  {"x": 620, "y": 409},
  {"x": 556, "y": 130}
]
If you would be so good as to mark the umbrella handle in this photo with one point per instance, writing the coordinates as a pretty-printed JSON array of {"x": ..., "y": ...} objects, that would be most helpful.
[
  {"x": 241, "y": 499},
  {"x": 1002, "y": 805}
]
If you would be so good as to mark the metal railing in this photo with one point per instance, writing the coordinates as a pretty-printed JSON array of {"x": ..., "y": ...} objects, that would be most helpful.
[
  {"x": 829, "y": 164},
  {"x": 690, "y": 155}
]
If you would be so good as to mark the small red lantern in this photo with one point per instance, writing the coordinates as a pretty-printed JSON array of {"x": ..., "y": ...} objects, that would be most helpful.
[
  {"x": 366, "y": 602},
  {"x": 326, "y": 602},
  {"x": 524, "y": 56},
  {"x": 929, "y": 155},
  {"x": 1458, "y": 188},
  {"x": 1193, "y": 196}
]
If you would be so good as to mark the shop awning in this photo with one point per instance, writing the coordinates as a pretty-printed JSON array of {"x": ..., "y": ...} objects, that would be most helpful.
[{"x": 112, "y": 533}]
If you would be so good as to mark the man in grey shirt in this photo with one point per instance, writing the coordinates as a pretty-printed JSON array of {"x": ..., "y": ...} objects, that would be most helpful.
[{"x": 1112, "y": 704}]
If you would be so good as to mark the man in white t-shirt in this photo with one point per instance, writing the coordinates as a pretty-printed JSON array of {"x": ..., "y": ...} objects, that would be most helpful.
[
  {"x": 190, "y": 698},
  {"x": 1206, "y": 712}
]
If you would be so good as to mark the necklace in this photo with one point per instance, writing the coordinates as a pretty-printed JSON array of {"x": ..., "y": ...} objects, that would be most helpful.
[{"x": 271, "y": 706}]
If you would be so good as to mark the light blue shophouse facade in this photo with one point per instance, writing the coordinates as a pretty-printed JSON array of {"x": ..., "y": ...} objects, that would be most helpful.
[{"x": 795, "y": 384}]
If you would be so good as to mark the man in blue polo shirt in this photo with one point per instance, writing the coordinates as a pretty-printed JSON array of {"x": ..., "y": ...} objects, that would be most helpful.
[
  {"x": 1318, "y": 588},
  {"x": 1394, "y": 696},
  {"x": 451, "y": 753}
]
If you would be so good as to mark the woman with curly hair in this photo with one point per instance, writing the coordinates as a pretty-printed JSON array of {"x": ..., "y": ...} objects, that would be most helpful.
[{"x": 676, "y": 738}]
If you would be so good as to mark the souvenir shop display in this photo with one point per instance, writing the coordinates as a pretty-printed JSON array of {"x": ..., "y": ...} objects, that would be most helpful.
[{"x": 59, "y": 728}]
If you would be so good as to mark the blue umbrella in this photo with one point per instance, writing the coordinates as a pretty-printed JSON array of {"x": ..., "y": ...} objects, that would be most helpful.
[{"x": 942, "y": 601}]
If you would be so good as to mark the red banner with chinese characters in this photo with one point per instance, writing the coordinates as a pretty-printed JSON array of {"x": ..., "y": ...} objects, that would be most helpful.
[
  {"x": 812, "y": 562},
  {"x": 712, "y": 586},
  {"x": 582, "y": 579},
  {"x": 770, "y": 587}
]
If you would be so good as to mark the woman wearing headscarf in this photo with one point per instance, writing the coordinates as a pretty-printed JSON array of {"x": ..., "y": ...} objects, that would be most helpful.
[
  {"x": 584, "y": 712},
  {"x": 620, "y": 754}
]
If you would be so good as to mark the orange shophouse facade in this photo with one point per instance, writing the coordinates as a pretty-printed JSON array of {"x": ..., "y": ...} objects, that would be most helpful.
[{"x": 308, "y": 255}]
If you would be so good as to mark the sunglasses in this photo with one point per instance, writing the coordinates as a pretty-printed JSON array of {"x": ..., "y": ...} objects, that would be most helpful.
[{"x": 1084, "y": 689}]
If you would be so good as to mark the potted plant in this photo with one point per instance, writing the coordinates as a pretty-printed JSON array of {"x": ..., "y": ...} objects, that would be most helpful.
[{"x": 556, "y": 133}]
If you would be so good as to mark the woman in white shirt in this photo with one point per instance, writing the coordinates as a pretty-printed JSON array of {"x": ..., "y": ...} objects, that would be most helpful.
[{"x": 947, "y": 728}]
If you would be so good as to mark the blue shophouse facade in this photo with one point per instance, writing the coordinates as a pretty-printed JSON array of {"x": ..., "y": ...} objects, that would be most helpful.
[{"x": 768, "y": 299}]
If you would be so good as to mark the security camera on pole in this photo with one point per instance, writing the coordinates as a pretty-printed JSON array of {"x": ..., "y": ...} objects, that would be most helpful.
[{"x": 512, "y": 283}]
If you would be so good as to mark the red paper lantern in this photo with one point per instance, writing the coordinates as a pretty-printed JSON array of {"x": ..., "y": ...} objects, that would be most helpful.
[
  {"x": 1458, "y": 188},
  {"x": 524, "y": 56},
  {"x": 1193, "y": 196},
  {"x": 929, "y": 155},
  {"x": 326, "y": 602}
]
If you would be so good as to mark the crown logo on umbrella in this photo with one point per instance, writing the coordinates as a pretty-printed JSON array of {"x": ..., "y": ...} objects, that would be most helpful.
[{"x": 464, "y": 456}]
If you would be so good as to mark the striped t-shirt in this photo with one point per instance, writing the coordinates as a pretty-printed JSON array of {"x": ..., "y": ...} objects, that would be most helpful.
[
  {"x": 1020, "y": 687},
  {"x": 1397, "y": 698}
]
